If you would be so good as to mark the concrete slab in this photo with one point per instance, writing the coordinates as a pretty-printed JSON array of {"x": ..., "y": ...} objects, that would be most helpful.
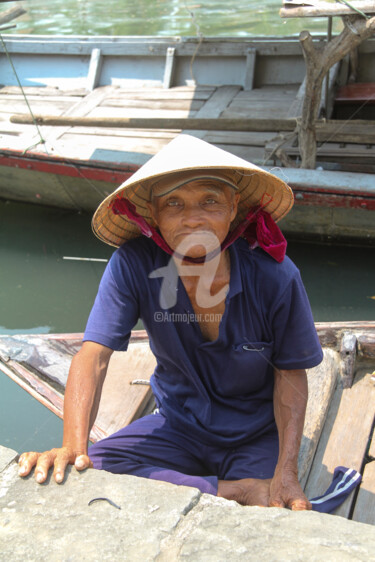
[
  {"x": 159, "y": 521},
  {"x": 6, "y": 457}
]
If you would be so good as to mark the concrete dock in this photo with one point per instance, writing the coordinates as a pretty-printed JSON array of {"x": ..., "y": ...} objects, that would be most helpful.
[{"x": 159, "y": 522}]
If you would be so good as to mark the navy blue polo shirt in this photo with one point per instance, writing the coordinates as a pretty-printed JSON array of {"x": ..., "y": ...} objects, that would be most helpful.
[{"x": 220, "y": 391}]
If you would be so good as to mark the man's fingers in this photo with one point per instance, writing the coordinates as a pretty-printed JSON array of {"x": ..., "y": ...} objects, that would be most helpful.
[
  {"x": 45, "y": 462},
  {"x": 61, "y": 461},
  {"x": 26, "y": 462}
]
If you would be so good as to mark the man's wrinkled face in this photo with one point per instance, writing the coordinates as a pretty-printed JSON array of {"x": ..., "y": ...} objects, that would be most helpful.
[{"x": 198, "y": 214}]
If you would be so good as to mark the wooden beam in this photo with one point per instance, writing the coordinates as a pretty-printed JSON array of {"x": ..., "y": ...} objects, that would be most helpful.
[
  {"x": 250, "y": 69},
  {"x": 169, "y": 67},
  {"x": 299, "y": 9},
  {"x": 203, "y": 124},
  {"x": 359, "y": 131},
  {"x": 11, "y": 14},
  {"x": 212, "y": 109},
  {"x": 95, "y": 67}
]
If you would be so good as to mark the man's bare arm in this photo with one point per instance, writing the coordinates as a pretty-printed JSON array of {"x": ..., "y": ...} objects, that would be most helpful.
[
  {"x": 290, "y": 399},
  {"x": 81, "y": 403}
]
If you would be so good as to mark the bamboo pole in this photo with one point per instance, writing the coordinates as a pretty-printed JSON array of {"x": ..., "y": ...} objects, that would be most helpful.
[
  {"x": 362, "y": 131},
  {"x": 256, "y": 125}
]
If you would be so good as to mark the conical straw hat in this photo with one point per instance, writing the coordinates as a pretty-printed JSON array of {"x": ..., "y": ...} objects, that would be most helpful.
[{"x": 184, "y": 159}]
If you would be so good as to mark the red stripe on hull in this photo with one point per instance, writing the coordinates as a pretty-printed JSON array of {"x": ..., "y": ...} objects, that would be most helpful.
[{"x": 70, "y": 168}]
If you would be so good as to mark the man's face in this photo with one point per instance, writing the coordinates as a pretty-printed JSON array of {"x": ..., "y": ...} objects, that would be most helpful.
[{"x": 200, "y": 211}]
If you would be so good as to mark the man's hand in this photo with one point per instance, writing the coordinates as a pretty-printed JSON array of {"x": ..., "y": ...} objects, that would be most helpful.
[
  {"x": 56, "y": 458},
  {"x": 285, "y": 491}
]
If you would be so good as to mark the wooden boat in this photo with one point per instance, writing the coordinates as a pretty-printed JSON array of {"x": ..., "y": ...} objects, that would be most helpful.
[
  {"x": 159, "y": 87},
  {"x": 339, "y": 426}
]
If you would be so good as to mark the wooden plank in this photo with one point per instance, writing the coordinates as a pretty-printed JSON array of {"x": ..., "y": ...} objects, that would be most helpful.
[
  {"x": 148, "y": 122},
  {"x": 121, "y": 401},
  {"x": 214, "y": 106},
  {"x": 82, "y": 108},
  {"x": 49, "y": 99},
  {"x": 331, "y": 151},
  {"x": 119, "y": 113},
  {"x": 152, "y": 92},
  {"x": 299, "y": 9},
  {"x": 41, "y": 365},
  {"x": 125, "y": 144},
  {"x": 95, "y": 67},
  {"x": 321, "y": 382},
  {"x": 56, "y": 107},
  {"x": 43, "y": 393},
  {"x": 364, "y": 510},
  {"x": 356, "y": 94},
  {"x": 254, "y": 154},
  {"x": 345, "y": 436},
  {"x": 244, "y": 138},
  {"x": 75, "y": 132},
  {"x": 151, "y": 46},
  {"x": 169, "y": 104},
  {"x": 330, "y": 181},
  {"x": 170, "y": 62},
  {"x": 40, "y": 91},
  {"x": 270, "y": 93},
  {"x": 250, "y": 69}
]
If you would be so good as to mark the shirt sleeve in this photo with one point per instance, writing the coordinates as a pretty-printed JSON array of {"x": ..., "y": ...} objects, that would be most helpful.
[
  {"x": 116, "y": 310},
  {"x": 296, "y": 343}
]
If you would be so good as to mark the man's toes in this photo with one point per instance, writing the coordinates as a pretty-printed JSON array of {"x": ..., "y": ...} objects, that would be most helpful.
[{"x": 300, "y": 505}]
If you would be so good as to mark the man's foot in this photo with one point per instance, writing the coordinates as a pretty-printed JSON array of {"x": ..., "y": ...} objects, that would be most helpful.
[{"x": 248, "y": 491}]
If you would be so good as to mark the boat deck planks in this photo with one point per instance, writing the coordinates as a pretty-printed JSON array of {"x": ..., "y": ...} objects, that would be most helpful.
[
  {"x": 345, "y": 436},
  {"x": 113, "y": 101},
  {"x": 364, "y": 510}
]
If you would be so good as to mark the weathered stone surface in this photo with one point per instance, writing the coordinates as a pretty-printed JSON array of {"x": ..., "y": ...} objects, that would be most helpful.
[
  {"x": 159, "y": 521},
  {"x": 6, "y": 457},
  {"x": 55, "y": 523},
  {"x": 220, "y": 530}
]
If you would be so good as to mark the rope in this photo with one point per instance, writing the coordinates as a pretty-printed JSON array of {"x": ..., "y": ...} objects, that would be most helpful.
[
  {"x": 200, "y": 37},
  {"x": 42, "y": 141}
]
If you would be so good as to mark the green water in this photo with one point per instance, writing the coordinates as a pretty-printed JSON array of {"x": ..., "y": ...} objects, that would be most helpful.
[
  {"x": 41, "y": 292},
  {"x": 161, "y": 17}
]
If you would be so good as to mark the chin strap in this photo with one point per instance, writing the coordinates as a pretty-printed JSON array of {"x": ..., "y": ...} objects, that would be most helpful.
[{"x": 258, "y": 228}]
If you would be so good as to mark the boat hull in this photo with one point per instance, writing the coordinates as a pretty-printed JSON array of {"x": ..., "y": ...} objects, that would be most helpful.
[{"x": 75, "y": 167}]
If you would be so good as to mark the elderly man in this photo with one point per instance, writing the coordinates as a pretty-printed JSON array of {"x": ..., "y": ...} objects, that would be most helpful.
[{"x": 228, "y": 321}]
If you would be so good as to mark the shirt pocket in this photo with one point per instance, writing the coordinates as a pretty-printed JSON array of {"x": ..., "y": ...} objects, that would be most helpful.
[{"x": 249, "y": 369}]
